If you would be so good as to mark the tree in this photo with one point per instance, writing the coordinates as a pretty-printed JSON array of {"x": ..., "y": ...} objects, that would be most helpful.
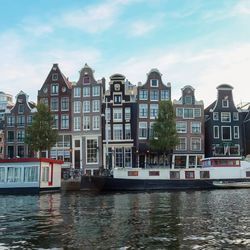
[
  {"x": 164, "y": 137},
  {"x": 41, "y": 135}
]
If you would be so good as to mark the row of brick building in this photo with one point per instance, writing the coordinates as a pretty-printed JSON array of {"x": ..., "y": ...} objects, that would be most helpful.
[{"x": 110, "y": 126}]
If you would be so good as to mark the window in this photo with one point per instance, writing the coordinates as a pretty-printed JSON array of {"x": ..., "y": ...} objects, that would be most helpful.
[
  {"x": 174, "y": 175},
  {"x": 127, "y": 131},
  {"x": 127, "y": 113},
  {"x": 182, "y": 144},
  {"x": 92, "y": 152},
  {"x": 236, "y": 132},
  {"x": 55, "y": 121},
  {"x": 164, "y": 95},
  {"x": 204, "y": 175},
  {"x": 188, "y": 113},
  {"x": 14, "y": 174},
  {"x": 197, "y": 112},
  {"x": 128, "y": 157},
  {"x": 107, "y": 114},
  {"x": 10, "y": 121},
  {"x": 216, "y": 132},
  {"x": 77, "y": 123},
  {"x": 54, "y": 89},
  {"x": 86, "y": 106},
  {"x": 195, "y": 127},
  {"x": 96, "y": 105},
  {"x": 118, "y": 157},
  {"x": 143, "y": 130},
  {"x": 29, "y": 119},
  {"x": 143, "y": 110},
  {"x": 195, "y": 144},
  {"x": 226, "y": 132},
  {"x": 20, "y": 108},
  {"x": 77, "y": 92},
  {"x": 154, "y": 83},
  {"x": 65, "y": 104},
  {"x": 86, "y": 80},
  {"x": 117, "y": 99},
  {"x": 225, "y": 103},
  {"x": 181, "y": 127},
  {"x": 225, "y": 117},
  {"x": 179, "y": 112},
  {"x": 153, "y": 111},
  {"x": 10, "y": 136},
  {"x": 20, "y": 151},
  {"x": 2, "y": 174},
  {"x": 117, "y": 132},
  {"x": 77, "y": 106},
  {"x": 117, "y": 114},
  {"x": 151, "y": 130},
  {"x": 64, "y": 122},
  {"x": 109, "y": 131},
  {"x": 96, "y": 91},
  {"x": 86, "y": 122},
  {"x": 45, "y": 174},
  {"x": 143, "y": 94},
  {"x": 54, "y": 104},
  {"x": 30, "y": 174},
  {"x": 154, "y": 95},
  {"x": 189, "y": 175},
  {"x": 235, "y": 116},
  {"x": 96, "y": 122},
  {"x": 20, "y": 135},
  {"x": 188, "y": 99},
  {"x": 86, "y": 91},
  {"x": 20, "y": 120},
  {"x": 54, "y": 77},
  {"x": 215, "y": 116}
]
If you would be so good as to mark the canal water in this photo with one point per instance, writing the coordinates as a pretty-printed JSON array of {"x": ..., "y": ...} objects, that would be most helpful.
[{"x": 218, "y": 219}]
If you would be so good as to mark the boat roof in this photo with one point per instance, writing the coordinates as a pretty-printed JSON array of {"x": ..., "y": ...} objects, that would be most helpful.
[{"x": 222, "y": 158}]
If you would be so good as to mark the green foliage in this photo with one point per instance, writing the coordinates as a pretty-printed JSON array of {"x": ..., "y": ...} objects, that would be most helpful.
[
  {"x": 40, "y": 135},
  {"x": 164, "y": 136}
]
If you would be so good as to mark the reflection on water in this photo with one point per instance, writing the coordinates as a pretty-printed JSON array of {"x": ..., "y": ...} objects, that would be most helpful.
[{"x": 218, "y": 219}]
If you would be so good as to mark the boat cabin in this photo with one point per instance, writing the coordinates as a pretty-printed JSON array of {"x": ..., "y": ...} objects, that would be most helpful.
[
  {"x": 30, "y": 175},
  {"x": 221, "y": 162}
]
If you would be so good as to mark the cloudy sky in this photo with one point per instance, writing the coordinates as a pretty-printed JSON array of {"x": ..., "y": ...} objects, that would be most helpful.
[{"x": 202, "y": 43}]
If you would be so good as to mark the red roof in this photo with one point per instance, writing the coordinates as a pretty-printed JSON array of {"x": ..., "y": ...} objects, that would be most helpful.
[{"x": 19, "y": 160}]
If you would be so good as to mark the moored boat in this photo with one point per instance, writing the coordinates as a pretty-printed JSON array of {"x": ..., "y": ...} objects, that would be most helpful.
[
  {"x": 29, "y": 175},
  {"x": 214, "y": 169}
]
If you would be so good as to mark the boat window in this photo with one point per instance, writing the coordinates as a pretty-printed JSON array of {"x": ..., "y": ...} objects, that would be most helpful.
[
  {"x": 132, "y": 173},
  {"x": 174, "y": 175},
  {"x": 204, "y": 174},
  {"x": 2, "y": 174},
  {"x": 154, "y": 173},
  {"x": 189, "y": 174},
  {"x": 14, "y": 174},
  {"x": 226, "y": 162},
  {"x": 31, "y": 174},
  {"x": 247, "y": 173},
  {"x": 45, "y": 174}
]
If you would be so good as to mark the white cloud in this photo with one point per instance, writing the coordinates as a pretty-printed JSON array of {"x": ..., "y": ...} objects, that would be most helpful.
[
  {"x": 140, "y": 28},
  {"x": 204, "y": 70},
  {"x": 94, "y": 18}
]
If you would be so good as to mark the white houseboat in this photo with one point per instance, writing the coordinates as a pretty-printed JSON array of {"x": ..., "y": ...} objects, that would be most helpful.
[
  {"x": 214, "y": 171},
  {"x": 29, "y": 175}
]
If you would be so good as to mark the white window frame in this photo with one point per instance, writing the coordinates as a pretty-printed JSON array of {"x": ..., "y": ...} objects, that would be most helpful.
[
  {"x": 215, "y": 116},
  {"x": 96, "y": 122},
  {"x": 236, "y": 132},
  {"x": 181, "y": 129},
  {"x": 222, "y": 127},
  {"x": 151, "y": 83},
  {"x": 143, "y": 125},
  {"x": 77, "y": 123},
  {"x": 214, "y": 132},
  {"x": 117, "y": 114},
  {"x": 225, "y": 103},
  {"x": 192, "y": 141},
  {"x": 185, "y": 142},
  {"x": 199, "y": 127},
  {"x": 225, "y": 115},
  {"x": 77, "y": 92}
]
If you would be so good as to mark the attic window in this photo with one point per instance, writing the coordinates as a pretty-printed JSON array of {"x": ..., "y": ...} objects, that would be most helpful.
[
  {"x": 54, "y": 77},
  {"x": 86, "y": 80},
  {"x": 154, "y": 83},
  {"x": 225, "y": 103},
  {"x": 188, "y": 99}
]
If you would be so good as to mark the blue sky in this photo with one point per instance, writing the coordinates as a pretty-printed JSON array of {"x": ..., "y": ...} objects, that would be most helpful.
[{"x": 202, "y": 43}]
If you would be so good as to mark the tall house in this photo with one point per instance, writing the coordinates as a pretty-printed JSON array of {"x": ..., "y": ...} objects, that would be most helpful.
[
  {"x": 6, "y": 102},
  {"x": 190, "y": 128},
  {"x": 56, "y": 93},
  {"x": 1, "y": 143},
  {"x": 119, "y": 123},
  {"x": 87, "y": 95},
  {"x": 149, "y": 96},
  {"x": 245, "y": 117},
  {"x": 223, "y": 125},
  {"x": 16, "y": 121}
]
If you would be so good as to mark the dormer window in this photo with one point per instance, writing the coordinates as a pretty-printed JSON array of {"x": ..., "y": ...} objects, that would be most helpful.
[
  {"x": 225, "y": 103},
  {"x": 54, "y": 77},
  {"x": 20, "y": 108},
  {"x": 154, "y": 83},
  {"x": 117, "y": 99}
]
